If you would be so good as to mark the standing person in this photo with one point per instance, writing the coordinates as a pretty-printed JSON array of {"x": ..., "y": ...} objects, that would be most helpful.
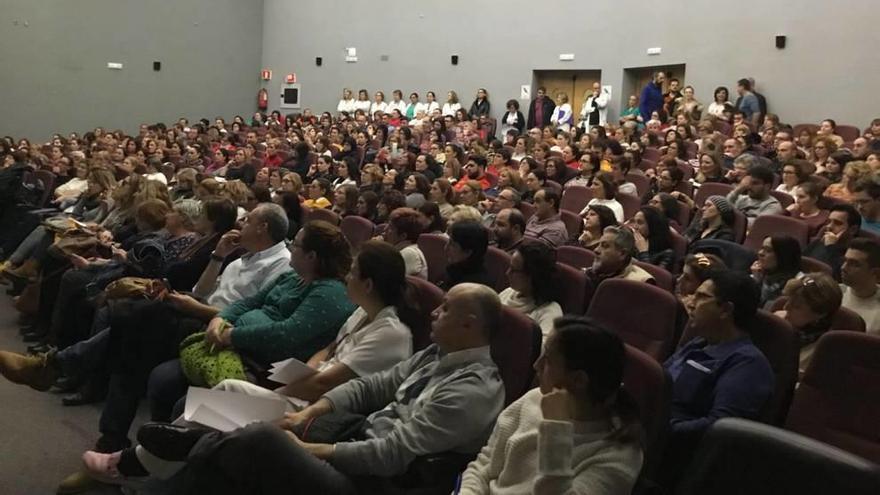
[
  {"x": 480, "y": 107},
  {"x": 716, "y": 108},
  {"x": 651, "y": 99},
  {"x": 595, "y": 109},
  {"x": 671, "y": 98},
  {"x": 748, "y": 103},
  {"x": 562, "y": 114},
  {"x": 540, "y": 110}
]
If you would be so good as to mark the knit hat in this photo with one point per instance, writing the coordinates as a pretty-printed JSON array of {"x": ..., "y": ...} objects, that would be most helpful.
[{"x": 724, "y": 208}]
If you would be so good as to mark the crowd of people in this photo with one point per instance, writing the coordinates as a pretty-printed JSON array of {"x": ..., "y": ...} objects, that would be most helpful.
[{"x": 156, "y": 253}]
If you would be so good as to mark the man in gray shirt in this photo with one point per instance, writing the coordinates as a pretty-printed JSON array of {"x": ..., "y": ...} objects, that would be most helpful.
[
  {"x": 752, "y": 195},
  {"x": 442, "y": 400}
]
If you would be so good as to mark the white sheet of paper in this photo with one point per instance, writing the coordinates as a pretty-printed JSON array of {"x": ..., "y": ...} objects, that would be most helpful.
[
  {"x": 229, "y": 409},
  {"x": 289, "y": 371}
]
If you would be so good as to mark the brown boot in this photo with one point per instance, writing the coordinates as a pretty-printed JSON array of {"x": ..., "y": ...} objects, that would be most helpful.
[
  {"x": 33, "y": 371},
  {"x": 29, "y": 270}
]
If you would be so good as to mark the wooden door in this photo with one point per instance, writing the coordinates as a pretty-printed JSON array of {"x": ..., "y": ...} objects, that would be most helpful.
[{"x": 574, "y": 83}]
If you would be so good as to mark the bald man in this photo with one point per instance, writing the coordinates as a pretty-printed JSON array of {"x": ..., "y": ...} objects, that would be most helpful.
[{"x": 443, "y": 399}]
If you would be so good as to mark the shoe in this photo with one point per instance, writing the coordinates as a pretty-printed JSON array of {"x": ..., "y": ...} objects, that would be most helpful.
[
  {"x": 80, "y": 398},
  {"x": 29, "y": 270},
  {"x": 39, "y": 348},
  {"x": 77, "y": 482},
  {"x": 33, "y": 371},
  {"x": 170, "y": 442},
  {"x": 103, "y": 467},
  {"x": 66, "y": 385}
]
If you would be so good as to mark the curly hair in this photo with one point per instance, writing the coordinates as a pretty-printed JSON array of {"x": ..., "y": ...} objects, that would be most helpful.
[{"x": 332, "y": 250}]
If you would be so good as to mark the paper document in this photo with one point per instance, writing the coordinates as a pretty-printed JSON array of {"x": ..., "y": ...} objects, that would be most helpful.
[
  {"x": 289, "y": 371},
  {"x": 226, "y": 411}
]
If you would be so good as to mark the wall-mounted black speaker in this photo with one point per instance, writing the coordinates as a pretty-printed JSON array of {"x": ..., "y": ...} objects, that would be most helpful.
[
  {"x": 318, "y": 61},
  {"x": 455, "y": 60},
  {"x": 157, "y": 66},
  {"x": 780, "y": 42}
]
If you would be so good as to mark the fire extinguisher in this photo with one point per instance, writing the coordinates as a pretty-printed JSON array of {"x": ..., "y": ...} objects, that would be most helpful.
[{"x": 262, "y": 99}]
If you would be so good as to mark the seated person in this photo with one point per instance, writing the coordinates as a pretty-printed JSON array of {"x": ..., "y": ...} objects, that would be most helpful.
[
  {"x": 577, "y": 433},
  {"x": 443, "y": 399},
  {"x": 614, "y": 258},
  {"x": 866, "y": 198},
  {"x": 546, "y": 225},
  {"x": 653, "y": 241},
  {"x": 861, "y": 276},
  {"x": 509, "y": 228},
  {"x": 752, "y": 195},
  {"x": 719, "y": 373},
  {"x": 405, "y": 225},
  {"x": 834, "y": 238},
  {"x": 604, "y": 192},
  {"x": 296, "y": 316},
  {"x": 695, "y": 270},
  {"x": 715, "y": 221},
  {"x": 597, "y": 219},
  {"x": 466, "y": 254},
  {"x": 811, "y": 302},
  {"x": 806, "y": 207},
  {"x": 532, "y": 275},
  {"x": 779, "y": 260}
]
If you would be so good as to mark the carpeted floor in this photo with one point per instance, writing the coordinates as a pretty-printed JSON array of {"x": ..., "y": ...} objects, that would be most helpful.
[{"x": 40, "y": 440}]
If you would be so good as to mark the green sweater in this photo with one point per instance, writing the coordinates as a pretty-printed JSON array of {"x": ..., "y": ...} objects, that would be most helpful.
[{"x": 288, "y": 318}]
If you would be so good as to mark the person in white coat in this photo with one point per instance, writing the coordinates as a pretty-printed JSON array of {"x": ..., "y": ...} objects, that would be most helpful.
[
  {"x": 595, "y": 109},
  {"x": 562, "y": 114},
  {"x": 379, "y": 104},
  {"x": 452, "y": 105},
  {"x": 431, "y": 104},
  {"x": 363, "y": 101},
  {"x": 396, "y": 103},
  {"x": 346, "y": 104}
]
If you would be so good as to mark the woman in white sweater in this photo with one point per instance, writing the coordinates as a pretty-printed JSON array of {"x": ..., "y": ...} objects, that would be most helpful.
[
  {"x": 532, "y": 284},
  {"x": 577, "y": 434}
]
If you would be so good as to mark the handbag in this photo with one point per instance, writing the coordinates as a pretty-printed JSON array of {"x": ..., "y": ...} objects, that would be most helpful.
[
  {"x": 136, "y": 288},
  {"x": 204, "y": 368}
]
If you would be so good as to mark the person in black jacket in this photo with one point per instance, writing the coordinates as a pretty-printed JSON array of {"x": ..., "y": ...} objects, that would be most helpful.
[
  {"x": 715, "y": 221},
  {"x": 833, "y": 240},
  {"x": 466, "y": 252},
  {"x": 480, "y": 107},
  {"x": 512, "y": 119},
  {"x": 540, "y": 110},
  {"x": 652, "y": 238}
]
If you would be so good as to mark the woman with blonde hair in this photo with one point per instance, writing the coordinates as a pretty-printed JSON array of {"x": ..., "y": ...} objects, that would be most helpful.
[
  {"x": 562, "y": 117},
  {"x": 452, "y": 105},
  {"x": 810, "y": 303},
  {"x": 853, "y": 172}
]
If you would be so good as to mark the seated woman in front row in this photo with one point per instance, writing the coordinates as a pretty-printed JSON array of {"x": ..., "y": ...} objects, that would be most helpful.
[
  {"x": 578, "y": 432},
  {"x": 532, "y": 275}
]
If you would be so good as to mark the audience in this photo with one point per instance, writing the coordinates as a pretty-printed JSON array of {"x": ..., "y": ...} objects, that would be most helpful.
[{"x": 148, "y": 206}]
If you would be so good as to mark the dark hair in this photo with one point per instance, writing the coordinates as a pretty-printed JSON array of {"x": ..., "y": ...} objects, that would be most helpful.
[
  {"x": 788, "y": 254},
  {"x": 539, "y": 264},
  {"x": 330, "y": 247},
  {"x": 423, "y": 185},
  {"x": 869, "y": 247},
  {"x": 478, "y": 159},
  {"x": 393, "y": 200},
  {"x": 221, "y": 212},
  {"x": 551, "y": 194},
  {"x": 606, "y": 216},
  {"x": 512, "y": 103},
  {"x": 745, "y": 83},
  {"x": 740, "y": 290},
  {"x": 586, "y": 345},
  {"x": 607, "y": 184},
  {"x": 718, "y": 90},
  {"x": 517, "y": 219},
  {"x": 371, "y": 199},
  {"x": 869, "y": 186},
  {"x": 853, "y": 219},
  {"x": 669, "y": 206},
  {"x": 152, "y": 212},
  {"x": 658, "y": 229},
  {"x": 408, "y": 223},
  {"x": 382, "y": 264},
  {"x": 703, "y": 264},
  {"x": 471, "y": 236},
  {"x": 762, "y": 173},
  {"x": 432, "y": 212},
  {"x": 325, "y": 186},
  {"x": 289, "y": 201},
  {"x": 261, "y": 194}
]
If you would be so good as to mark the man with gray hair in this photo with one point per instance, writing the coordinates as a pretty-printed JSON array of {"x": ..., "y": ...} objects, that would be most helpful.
[{"x": 614, "y": 258}]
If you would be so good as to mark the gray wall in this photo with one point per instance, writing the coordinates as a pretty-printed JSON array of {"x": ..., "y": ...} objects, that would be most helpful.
[
  {"x": 827, "y": 69},
  {"x": 54, "y": 76}
]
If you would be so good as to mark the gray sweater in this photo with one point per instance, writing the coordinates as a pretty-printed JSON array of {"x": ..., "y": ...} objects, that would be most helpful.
[{"x": 429, "y": 404}]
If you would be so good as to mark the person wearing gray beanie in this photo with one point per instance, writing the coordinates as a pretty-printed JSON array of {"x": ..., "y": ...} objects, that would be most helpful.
[{"x": 715, "y": 222}]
